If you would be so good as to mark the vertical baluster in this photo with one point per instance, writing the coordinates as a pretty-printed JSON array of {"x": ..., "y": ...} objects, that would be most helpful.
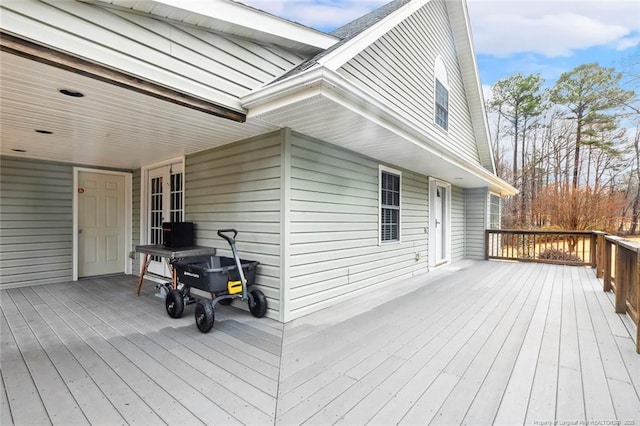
[
  {"x": 607, "y": 266},
  {"x": 621, "y": 279}
]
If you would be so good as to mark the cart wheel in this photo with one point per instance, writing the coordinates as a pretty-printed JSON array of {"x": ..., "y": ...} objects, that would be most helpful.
[
  {"x": 225, "y": 302},
  {"x": 259, "y": 304},
  {"x": 174, "y": 302},
  {"x": 204, "y": 316}
]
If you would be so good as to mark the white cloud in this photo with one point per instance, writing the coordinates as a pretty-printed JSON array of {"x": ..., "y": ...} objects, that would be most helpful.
[
  {"x": 321, "y": 14},
  {"x": 628, "y": 42},
  {"x": 500, "y": 27},
  {"x": 550, "y": 28},
  {"x": 549, "y": 35}
]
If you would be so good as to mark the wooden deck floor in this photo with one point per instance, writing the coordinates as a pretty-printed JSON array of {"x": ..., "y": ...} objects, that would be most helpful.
[{"x": 475, "y": 343}]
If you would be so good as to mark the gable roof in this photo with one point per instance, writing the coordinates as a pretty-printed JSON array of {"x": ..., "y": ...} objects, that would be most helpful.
[
  {"x": 358, "y": 25},
  {"x": 318, "y": 77},
  {"x": 347, "y": 32}
]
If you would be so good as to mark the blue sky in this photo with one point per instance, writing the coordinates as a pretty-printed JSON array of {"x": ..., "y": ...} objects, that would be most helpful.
[{"x": 511, "y": 36}]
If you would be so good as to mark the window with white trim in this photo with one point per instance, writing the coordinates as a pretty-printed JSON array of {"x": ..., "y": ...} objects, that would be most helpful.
[
  {"x": 494, "y": 212},
  {"x": 441, "y": 95},
  {"x": 442, "y": 106},
  {"x": 389, "y": 206}
]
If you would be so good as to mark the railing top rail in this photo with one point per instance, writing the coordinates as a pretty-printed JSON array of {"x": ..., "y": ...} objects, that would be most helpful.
[
  {"x": 624, "y": 243},
  {"x": 540, "y": 232}
]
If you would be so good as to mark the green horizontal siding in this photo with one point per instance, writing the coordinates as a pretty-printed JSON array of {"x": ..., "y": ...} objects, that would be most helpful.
[
  {"x": 36, "y": 222},
  {"x": 476, "y": 222},
  {"x": 238, "y": 186},
  {"x": 457, "y": 223},
  {"x": 334, "y": 249}
]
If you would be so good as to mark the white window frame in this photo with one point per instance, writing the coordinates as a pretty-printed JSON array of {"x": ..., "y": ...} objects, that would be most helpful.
[
  {"x": 384, "y": 169},
  {"x": 441, "y": 76},
  {"x": 493, "y": 194}
]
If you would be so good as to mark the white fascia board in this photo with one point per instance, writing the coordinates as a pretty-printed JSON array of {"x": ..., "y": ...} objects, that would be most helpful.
[
  {"x": 328, "y": 83},
  {"x": 461, "y": 27},
  {"x": 254, "y": 20},
  {"x": 283, "y": 93},
  {"x": 340, "y": 56}
]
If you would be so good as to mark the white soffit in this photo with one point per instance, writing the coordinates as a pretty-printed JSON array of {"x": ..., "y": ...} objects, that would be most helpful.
[
  {"x": 109, "y": 127},
  {"x": 322, "y": 118},
  {"x": 319, "y": 104}
]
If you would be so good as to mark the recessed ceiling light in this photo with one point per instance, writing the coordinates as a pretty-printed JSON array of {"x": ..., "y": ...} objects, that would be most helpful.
[
  {"x": 72, "y": 93},
  {"x": 44, "y": 132},
  {"x": 18, "y": 150}
]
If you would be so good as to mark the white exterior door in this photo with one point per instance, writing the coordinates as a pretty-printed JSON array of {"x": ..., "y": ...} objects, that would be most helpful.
[
  {"x": 439, "y": 225},
  {"x": 440, "y": 222},
  {"x": 165, "y": 203},
  {"x": 101, "y": 224}
]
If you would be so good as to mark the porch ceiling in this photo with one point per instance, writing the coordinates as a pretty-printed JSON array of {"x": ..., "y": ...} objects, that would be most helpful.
[
  {"x": 109, "y": 127},
  {"x": 120, "y": 128}
]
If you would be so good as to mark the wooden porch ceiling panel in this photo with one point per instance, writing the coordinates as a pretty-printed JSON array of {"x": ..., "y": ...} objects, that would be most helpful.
[
  {"x": 112, "y": 126},
  {"x": 522, "y": 343}
]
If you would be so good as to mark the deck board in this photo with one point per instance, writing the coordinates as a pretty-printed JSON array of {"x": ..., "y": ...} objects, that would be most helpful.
[
  {"x": 59, "y": 402},
  {"x": 93, "y": 403},
  {"x": 130, "y": 406},
  {"x": 472, "y": 343},
  {"x": 542, "y": 399},
  {"x": 513, "y": 407},
  {"x": 458, "y": 334},
  {"x": 570, "y": 399},
  {"x": 597, "y": 402},
  {"x": 25, "y": 403},
  {"x": 88, "y": 326},
  {"x": 423, "y": 338},
  {"x": 5, "y": 410},
  {"x": 515, "y": 322},
  {"x": 469, "y": 366}
]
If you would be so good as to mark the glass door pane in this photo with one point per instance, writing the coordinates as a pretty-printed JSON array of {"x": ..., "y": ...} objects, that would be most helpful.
[
  {"x": 165, "y": 204},
  {"x": 177, "y": 196},
  {"x": 156, "y": 213}
]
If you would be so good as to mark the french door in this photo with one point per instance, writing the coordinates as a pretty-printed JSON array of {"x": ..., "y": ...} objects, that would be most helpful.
[{"x": 165, "y": 203}]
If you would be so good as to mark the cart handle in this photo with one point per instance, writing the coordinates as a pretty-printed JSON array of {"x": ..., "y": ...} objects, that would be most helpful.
[{"x": 229, "y": 239}]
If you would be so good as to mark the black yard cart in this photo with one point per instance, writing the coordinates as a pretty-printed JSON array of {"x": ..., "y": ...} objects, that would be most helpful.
[{"x": 209, "y": 280}]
